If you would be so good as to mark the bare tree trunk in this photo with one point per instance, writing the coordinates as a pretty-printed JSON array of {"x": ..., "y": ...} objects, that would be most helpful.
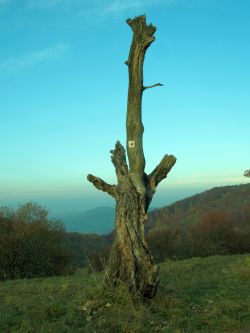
[{"x": 130, "y": 259}]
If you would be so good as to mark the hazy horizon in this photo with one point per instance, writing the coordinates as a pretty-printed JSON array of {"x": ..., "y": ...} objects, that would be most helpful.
[
  {"x": 64, "y": 97},
  {"x": 58, "y": 204}
]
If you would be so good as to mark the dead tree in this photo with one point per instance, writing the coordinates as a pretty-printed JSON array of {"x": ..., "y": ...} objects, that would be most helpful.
[
  {"x": 130, "y": 259},
  {"x": 247, "y": 173}
]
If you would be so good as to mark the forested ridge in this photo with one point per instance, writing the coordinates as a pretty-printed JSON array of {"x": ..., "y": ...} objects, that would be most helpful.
[
  {"x": 232, "y": 199},
  {"x": 213, "y": 222},
  {"x": 216, "y": 221}
]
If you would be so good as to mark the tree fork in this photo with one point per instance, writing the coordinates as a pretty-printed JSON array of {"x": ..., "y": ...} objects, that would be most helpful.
[{"x": 130, "y": 260}]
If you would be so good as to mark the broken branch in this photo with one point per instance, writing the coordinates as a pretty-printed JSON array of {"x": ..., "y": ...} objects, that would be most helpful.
[
  {"x": 118, "y": 158},
  {"x": 154, "y": 85},
  {"x": 102, "y": 185},
  {"x": 161, "y": 171}
]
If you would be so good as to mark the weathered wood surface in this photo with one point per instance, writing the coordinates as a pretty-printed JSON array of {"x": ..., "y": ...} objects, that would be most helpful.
[{"x": 130, "y": 259}]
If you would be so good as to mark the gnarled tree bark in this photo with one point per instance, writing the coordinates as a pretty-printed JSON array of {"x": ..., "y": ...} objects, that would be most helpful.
[{"x": 130, "y": 259}]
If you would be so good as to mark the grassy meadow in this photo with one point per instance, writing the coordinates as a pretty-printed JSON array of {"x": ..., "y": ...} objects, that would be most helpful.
[{"x": 196, "y": 295}]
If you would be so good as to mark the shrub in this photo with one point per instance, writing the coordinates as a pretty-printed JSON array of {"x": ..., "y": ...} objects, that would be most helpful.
[
  {"x": 216, "y": 232},
  {"x": 161, "y": 241},
  {"x": 98, "y": 260},
  {"x": 31, "y": 245}
]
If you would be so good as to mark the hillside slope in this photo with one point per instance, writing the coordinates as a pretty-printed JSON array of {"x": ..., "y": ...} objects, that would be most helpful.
[
  {"x": 198, "y": 295},
  {"x": 232, "y": 199}
]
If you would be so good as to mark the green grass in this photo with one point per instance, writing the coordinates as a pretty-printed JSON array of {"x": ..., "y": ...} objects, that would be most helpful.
[{"x": 196, "y": 295}]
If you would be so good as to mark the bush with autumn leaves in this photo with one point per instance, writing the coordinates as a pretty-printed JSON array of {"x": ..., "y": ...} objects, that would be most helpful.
[
  {"x": 215, "y": 233},
  {"x": 31, "y": 245}
]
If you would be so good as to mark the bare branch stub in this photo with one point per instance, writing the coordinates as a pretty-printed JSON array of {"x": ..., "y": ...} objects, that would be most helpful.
[
  {"x": 102, "y": 185},
  {"x": 118, "y": 159},
  {"x": 153, "y": 85},
  {"x": 161, "y": 171}
]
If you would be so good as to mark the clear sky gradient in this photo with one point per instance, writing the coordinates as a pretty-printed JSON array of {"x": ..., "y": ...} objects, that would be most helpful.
[{"x": 63, "y": 88}]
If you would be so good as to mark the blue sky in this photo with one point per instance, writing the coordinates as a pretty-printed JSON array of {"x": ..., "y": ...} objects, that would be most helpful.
[{"x": 64, "y": 84}]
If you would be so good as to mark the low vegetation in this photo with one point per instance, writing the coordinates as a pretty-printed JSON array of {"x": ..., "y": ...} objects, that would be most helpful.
[
  {"x": 86, "y": 246},
  {"x": 45, "y": 288},
  {"x": 215, "y": 222},
  {"x": 196, "y": 295},
  {"x": 31, "y": 245},
  {"x": 216, "y": 232}
]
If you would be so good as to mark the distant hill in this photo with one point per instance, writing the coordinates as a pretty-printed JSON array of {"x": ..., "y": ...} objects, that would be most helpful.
[
  {"x": 232, "y": 199},
  {"x": 99, "y": 220}
]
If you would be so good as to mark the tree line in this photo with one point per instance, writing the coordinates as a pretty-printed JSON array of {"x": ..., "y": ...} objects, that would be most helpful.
[
  {"x": 216, "y": 233},
  {"x": 32, "y": 245}
]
